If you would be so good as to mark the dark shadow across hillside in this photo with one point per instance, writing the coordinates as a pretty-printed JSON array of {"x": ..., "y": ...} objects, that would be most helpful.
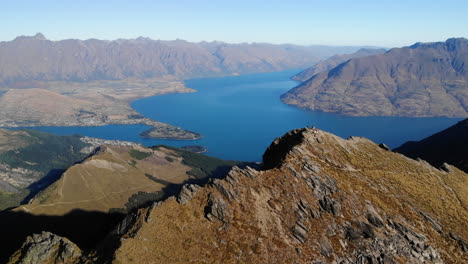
[
  {"x": 84, "y": 228},
  {"x": 52, "y": 176}
]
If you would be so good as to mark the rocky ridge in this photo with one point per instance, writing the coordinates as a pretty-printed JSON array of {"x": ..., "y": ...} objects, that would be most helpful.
[
  {"x": 47, "y": 248},
  {"x": 322, "y": 199}
]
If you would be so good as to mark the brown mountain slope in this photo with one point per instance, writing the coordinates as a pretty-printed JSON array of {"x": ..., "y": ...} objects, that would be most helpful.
[
  {"x": 108, "y": 179},
  {"x": 426, "y": 79},
  {"x": 448, "y": 146},
  {"x": 36, "y": 58},
  {"x": 332, "y": 62},
  {"x": 116, "y": 173},
  {"x": 322, "y": 199}
]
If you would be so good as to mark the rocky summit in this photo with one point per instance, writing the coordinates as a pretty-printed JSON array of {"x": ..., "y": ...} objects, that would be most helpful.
[
  {"x": 47, "y": 248},
  {"x": 319, "y": 199},
  {"x": 422, "y": 80}
]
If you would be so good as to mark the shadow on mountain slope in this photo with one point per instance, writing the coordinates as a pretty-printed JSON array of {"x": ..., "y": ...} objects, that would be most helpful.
[
  {"x": 144, "y": 199},
  {"x": 52, "y": 176},
  {"x": 84, "y": 228}
]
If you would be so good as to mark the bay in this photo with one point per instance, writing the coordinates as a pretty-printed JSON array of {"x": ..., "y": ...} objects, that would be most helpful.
[{"x": 240, "y": 116}]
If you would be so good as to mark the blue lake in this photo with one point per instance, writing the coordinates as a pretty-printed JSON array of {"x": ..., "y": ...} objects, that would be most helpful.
[{"x": 240, "y": 116}]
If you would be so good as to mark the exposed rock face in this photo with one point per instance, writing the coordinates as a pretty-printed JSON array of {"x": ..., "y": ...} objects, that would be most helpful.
[
  {"x": 327, "y": 200},
  {"x": 448, "y": 146},
  {"x": 425, "y": 79},
  {"x": 334, "y": 61},
  {"x": 46, "y": 248},
  {"x": 187, "y": 192}
]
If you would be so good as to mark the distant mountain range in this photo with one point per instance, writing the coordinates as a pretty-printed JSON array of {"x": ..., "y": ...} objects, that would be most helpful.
[
  {"x": 425, "y": 79},
  {"x": 448, "y": 146},
  {"x": 36, "y": 58},
  {"x": 332, "y": 62}
]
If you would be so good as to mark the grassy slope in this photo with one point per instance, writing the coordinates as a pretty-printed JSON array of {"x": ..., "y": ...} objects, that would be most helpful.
[
  {"x": 44, "y": 153},
  {"x": 202, "y": 168}
]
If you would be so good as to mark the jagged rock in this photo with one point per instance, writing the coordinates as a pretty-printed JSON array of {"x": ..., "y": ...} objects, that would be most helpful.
[
  {"x": 433, "y": 223},
  {"x": 224, "y": 190},
  {"x": 385, "y": 147},
  {"x": 216, "y": 209},
  {"x": 46, "y": 248},
  {"x": 373, "y": 217},
  {"x": 299, "y": 231},
  {"x": 361, "y": 230},
  {"x": 445, "y": 167},
  {"x": 187, "y": 192},
  {"x": 278, "y": 150},
  {"x": 352, "y": 234},
  {"x": 463, "y": 245},
  {"x": 303, "y": 210},
  {"x": 322, "y": 185},
  {"x": 148, "y": 213},
  {"x": 330, "y": 205},
  {"x": 250, "y": 172},
  {"x": 310, "y": 168},
  {"x": 294, "y": 172},
  {"x": 124, "y": 225},
  {"x": 326, "y": 249}
]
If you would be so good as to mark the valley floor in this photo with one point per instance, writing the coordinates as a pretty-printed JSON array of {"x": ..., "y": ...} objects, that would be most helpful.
[{"x": 93, "y": 103}]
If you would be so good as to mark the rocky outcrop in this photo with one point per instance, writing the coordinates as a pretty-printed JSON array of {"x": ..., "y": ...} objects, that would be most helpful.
[
  {"x": 45, "y": 248},
  {"x": 216, "y": 208},
  {"x": 280, "y": 148},
  {"x": 425, "y": 79},
  {"x": 187, "y": 192}
]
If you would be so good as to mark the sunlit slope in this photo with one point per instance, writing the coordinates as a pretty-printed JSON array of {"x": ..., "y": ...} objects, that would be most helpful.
[{"x": 111, "y": 176}]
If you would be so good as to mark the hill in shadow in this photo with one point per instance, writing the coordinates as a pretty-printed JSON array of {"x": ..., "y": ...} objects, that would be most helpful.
[{"x": 84, "y": 228}]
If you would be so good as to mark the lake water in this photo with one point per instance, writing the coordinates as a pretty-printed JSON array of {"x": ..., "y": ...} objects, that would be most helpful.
[{"x": 240, "y": 116}]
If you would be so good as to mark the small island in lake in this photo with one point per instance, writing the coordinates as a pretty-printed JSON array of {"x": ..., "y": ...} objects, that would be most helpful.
[
  {"x": 165, "y": 131},
  {"x": 195, "y": 148}
]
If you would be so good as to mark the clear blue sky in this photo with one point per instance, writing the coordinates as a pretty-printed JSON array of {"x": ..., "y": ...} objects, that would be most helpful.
[{"x": 332, "y": 22}]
